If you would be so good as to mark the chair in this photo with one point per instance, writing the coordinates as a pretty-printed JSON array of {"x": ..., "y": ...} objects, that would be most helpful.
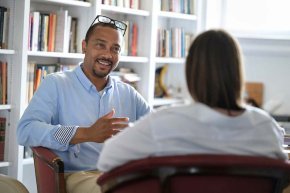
[
  {"x": 198, "y": 174},
  {"x": 11, "y": 185},
  {"x": 49, "y": 171}
]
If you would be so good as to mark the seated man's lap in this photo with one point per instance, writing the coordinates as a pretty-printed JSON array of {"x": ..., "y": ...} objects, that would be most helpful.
[{"x": 82, "y": 182}]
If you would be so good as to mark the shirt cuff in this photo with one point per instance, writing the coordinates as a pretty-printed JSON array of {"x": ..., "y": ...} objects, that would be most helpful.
[{"x": 64, "y": 134}]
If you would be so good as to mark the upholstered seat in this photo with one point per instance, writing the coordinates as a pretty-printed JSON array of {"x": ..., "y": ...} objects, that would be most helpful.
[{"x": 11, "y": 185}]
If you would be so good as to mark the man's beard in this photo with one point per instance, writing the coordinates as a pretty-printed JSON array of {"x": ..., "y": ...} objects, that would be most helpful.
[{"x": 100, "y": 74}]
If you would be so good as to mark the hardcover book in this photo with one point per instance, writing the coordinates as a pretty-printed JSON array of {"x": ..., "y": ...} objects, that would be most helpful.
[{"x": 2, "y": 137}]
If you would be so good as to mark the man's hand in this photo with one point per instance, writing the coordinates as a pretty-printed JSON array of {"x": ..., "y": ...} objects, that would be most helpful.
[{"x": 102, "y": 129}]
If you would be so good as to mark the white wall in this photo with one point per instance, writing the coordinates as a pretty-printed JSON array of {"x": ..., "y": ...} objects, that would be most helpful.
[
  {"x": 268, "y": 61},
  {"x": 267, "y": 57}
]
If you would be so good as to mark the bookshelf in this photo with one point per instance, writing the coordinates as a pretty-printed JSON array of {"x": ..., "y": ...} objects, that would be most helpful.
[
  {"x": 178, "y": 21},
  {"x": 148, "y": 18}
]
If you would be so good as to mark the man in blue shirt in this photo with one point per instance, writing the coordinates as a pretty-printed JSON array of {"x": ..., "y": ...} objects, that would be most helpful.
[{"x": 74, "y": 112}]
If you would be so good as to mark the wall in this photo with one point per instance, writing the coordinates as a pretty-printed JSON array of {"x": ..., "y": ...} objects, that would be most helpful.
[{"x": 268, "y": 61}]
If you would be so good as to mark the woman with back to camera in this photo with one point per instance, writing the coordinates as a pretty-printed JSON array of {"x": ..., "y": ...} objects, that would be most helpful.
[{"x": 218, "y": 122}]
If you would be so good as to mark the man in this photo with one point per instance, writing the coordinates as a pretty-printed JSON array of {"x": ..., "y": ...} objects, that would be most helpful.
[{"x": 74, "y": 112}]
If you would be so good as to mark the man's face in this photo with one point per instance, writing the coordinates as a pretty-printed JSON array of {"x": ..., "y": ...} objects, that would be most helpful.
[{"x": 102, "y": 51}]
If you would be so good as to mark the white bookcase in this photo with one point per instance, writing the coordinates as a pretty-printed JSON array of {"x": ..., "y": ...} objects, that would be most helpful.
[{"x": 149, "y": 18}]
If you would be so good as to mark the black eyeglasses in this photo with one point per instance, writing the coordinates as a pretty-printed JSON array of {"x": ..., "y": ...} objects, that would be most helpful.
[{"x": 103, "y": 19}]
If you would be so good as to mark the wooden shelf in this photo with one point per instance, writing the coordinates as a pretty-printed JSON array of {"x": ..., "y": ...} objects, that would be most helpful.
[
  {"x": 6, "y": 51},
  {"x": 4, "y": 164},
  {"x": 170, "y": 60},
  {"x": 133, "y": 59},
  {"x": 5, "y": 107},
  {"x": 174, "y": 15},
  {"x": 110, "y": 8},
  {"x": 56, "y": 54},
  {"x": 65, "y": 2},
  {"x": 262, "y": 36}
]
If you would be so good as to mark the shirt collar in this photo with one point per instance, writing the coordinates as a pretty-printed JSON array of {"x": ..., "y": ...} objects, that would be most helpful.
[{"x": 86, "y": 82}]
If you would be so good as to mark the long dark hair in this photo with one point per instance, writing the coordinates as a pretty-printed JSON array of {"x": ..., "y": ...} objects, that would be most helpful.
[{"x": 214, "y": 70}]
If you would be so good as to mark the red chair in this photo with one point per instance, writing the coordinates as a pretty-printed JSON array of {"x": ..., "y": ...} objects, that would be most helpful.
[
  {"x": 198, "y": 174},
  {"x": 49, "y": 171}
]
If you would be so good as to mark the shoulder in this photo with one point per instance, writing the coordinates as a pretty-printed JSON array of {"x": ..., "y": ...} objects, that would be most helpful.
[
  {"x": 257, "y": 115},
  {"x": 121, "y": 84},
  {"x": 168, "y": 114},
  {"x": 123, "y": 88},
  {"x": 59, "y": 77},
  {"x": 257, "y": 112}
]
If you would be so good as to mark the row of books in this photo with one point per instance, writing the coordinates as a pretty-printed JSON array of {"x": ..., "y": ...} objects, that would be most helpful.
[
  {"x": 126, "y": 75},
  {"x": 52, "y": 32},
  {"x": 179, "y": 6},
  {"x": 37, "y": 72},
  {"x": 2, "y": 137},
  {"x": 173, "y": 43},
  {"x": 4, "y": 25},
  {"x": 130, "y": 40},
  {"x": 3, "y": 82},
  {"x": 133, "y": 4}
]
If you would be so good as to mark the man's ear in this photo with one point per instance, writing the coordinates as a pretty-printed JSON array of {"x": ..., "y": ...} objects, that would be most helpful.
[{"x": 84, "y": 46}]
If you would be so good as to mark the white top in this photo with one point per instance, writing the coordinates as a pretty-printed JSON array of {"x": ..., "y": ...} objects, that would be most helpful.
[{"x": 195, "y": 128}]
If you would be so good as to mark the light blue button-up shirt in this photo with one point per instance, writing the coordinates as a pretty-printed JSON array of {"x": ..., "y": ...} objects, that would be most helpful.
[{"x": 66, "y": 100}]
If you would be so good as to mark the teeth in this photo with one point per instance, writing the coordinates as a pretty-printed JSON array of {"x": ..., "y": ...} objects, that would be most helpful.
[{"x": 104, "y": 62}]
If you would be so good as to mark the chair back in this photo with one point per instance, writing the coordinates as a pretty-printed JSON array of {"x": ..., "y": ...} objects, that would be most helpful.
[
  {"x": 198, "y": 174},
  {"x": 49, "y": 171}
]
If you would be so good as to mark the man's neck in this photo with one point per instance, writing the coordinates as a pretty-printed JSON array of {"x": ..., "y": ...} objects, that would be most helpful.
[{"x": 99, "y": 82}]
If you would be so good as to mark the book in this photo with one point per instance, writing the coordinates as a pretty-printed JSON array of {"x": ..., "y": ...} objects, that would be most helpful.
[
  {"x": 30, "y": 80},
  {"x": 5, "y": 29},
  {"x": 2, "y": 137},
  {"x": 35, "y": 30},
  {"x": 2, "y": 11},
  {"x": 126, "y": 75},
  {"x": 3, "y": 74},
  {"x": 61, "y": 31},
  {"x": 125, "y": 45},
  {"x": 51, "y": 32},
  {"x": 73, "y": 35},
  {"x": 67, "y": 33},
  {"x": 41, "y": 70},
  {"x": 134, "y": 38},
  {"x": 45, "y": 32}
]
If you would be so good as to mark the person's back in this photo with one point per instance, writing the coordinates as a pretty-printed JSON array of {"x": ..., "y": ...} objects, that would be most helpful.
[
  {"x": 197, "y": 128},
  {"x": 217, "y": 122}
]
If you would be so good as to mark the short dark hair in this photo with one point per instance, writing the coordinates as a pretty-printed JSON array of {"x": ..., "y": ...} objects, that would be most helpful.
[
  {"x": 214, "y": 70},
  {"x": 92, "y": 28}
]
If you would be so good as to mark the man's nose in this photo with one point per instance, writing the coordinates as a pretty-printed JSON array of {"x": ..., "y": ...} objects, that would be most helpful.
[{"x": 107, "y": 53}]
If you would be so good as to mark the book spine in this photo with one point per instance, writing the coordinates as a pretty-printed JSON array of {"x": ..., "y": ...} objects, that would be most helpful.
[
  {"x": 2, "y": 137},
  {"x": 5, "y": 29},
  {"x": 134, "y": 40},
  {"x": 2, "y": 10},
  {"x": 60, "y": 34},
  {"x": 35, "y": 30},
  {"x": 45, "y": 33},
  {"x": 4, "y": 82},
  {"x": 51, "y": 32}
]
